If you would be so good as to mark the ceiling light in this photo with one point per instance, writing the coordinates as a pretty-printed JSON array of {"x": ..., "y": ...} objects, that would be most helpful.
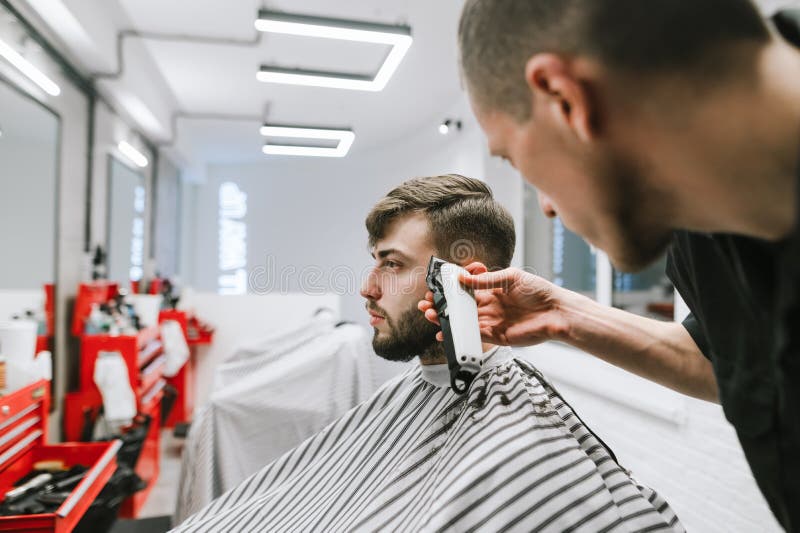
[
  {"x": 344, "y": 137},
  {"x": 398, "y": 37},
  {"x": 27, "y": 68},
  {"x": 136, "y": 157},
  {"x": 447, "y": 125}
]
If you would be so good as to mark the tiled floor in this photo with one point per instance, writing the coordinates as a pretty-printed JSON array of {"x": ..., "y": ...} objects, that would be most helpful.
[
  {"x": 162, "y": 499},
  {"x": 158, "y": 524},
  {"x": 156, "y": 515}
]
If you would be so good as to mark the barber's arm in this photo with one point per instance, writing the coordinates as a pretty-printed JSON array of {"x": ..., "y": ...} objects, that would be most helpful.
[{"x": 516, "y": 308}]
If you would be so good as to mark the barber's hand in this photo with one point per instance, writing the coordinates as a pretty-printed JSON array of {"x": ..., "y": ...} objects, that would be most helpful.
[{"x": 515, "y": 308}]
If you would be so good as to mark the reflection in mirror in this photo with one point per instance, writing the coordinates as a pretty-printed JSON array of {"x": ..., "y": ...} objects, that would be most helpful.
[
  {"x": 126, "y": 212},
  {"x": 167, "y": 223},
  {"x": 29, "y": 144},
  {"x": 556, "y": 253},
  {"x": 649, "y": 292},
  {"x": 574, "y": 261}
]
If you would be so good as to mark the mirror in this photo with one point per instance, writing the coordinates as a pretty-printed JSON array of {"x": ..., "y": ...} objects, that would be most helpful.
[
  {"x": 556, "y": 253},
  {"x": 126, "y": 213},
  {"x": 167, "y": 219},
  {"x": 29, "y": 147},
  {"x": 574, "y": 261},
  {"x": 648, "y": 293}
]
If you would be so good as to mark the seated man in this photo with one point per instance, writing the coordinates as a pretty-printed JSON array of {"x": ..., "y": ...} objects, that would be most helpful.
[{"x": 510, "y": 454}]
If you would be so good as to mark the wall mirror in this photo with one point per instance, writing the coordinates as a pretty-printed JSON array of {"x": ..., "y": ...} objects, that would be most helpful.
[
  {"x": 29, "y": 177},
  {"x": 167, "y": 219},
  {"x": 648, "y": 293},
  {"x": 126, "y": 214}
]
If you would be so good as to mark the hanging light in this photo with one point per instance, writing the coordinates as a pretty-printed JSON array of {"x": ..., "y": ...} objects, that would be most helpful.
[
  {"x": 344, "y": 138},
  {"x": 398, "y": 37}
]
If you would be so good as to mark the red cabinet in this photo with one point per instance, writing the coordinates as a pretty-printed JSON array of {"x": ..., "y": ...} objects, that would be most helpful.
[
  {"x": 143, "y": 356},
  {"x": 23, "y": 431},
  {"x": 144, "y": 359}
]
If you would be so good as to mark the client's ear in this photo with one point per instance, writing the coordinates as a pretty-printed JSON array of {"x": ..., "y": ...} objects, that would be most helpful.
[{"x": 476, "y": 268}]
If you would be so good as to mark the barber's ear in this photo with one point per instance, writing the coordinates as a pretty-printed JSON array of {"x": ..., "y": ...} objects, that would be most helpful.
[{"x": 550, "y": 79}]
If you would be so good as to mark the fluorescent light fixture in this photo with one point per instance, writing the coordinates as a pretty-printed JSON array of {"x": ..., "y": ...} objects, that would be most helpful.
[
  {"x": 398, "y": 37},
  {"x": 344, "y": 137},
  {"x": 27, "y": 68},
  {"x": 136, "y": 157}
]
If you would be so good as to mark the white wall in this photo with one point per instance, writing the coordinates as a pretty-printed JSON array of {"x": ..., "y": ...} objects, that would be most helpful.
[{"x": 306, "y": 216}]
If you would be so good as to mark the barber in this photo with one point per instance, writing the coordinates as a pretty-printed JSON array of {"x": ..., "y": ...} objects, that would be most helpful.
[{"x": 650, "y": 127}]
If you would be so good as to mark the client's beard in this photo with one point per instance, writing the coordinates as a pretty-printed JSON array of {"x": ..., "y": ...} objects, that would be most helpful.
[{"x": 411, "y": 335}]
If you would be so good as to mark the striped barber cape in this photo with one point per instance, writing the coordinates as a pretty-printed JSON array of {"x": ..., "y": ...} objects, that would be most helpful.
[{"x": 510, "y": 455}]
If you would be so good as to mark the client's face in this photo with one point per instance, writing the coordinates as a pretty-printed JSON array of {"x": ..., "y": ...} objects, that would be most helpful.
[{"x": 394, "y": 286}]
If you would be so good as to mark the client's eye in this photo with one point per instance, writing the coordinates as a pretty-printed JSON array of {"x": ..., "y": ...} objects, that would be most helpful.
[{"x": 391, "y": 264}]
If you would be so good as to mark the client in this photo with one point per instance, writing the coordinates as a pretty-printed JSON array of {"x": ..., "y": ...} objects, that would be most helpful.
[{"x": 510, "y": 454}]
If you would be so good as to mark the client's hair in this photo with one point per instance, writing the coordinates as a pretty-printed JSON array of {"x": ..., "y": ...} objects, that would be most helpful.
[{"x": 466, "y": 222}]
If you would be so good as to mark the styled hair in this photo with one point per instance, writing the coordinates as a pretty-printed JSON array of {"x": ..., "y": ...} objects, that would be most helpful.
[
  {"x": 466, "y": 222},
  {"x": 497, "y": 37}
]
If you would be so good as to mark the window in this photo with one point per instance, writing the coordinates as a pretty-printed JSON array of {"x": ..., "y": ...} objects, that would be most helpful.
[
  {"x": 137, "y": 240},
  {"x": 232, "y": 239}
]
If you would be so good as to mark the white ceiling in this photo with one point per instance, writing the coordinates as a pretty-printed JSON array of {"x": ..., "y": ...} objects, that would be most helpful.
[
  {"x": 163, "y": 78},
  {"x": 220, "y": 79}
]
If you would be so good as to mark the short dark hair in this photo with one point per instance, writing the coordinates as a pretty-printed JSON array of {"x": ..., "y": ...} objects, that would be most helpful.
[
  {"x": 497, "y": 37},
  {"x": 466, "y": 222}
]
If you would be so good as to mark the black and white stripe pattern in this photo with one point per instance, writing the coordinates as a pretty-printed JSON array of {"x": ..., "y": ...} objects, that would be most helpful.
[{"x": 511, "y": 455}]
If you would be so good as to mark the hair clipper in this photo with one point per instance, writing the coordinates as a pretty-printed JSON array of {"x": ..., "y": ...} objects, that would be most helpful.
[{"x": 458, "y": 316}]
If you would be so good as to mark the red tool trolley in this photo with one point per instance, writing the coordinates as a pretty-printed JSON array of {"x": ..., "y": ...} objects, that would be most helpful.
[
  {"x": 23, "y": 435},
  {"x": 143, "y": 356}
]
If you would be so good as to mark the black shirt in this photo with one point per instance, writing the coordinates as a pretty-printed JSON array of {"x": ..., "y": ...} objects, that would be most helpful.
[{"x": 744, "y": 295}]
